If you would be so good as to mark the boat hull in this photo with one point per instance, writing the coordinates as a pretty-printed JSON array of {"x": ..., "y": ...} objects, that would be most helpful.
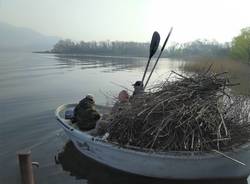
[{"x": 168, "y": 165}]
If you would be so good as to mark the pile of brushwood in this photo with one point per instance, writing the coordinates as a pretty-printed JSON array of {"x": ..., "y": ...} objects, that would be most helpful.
[{"x": 190, "y": 113}]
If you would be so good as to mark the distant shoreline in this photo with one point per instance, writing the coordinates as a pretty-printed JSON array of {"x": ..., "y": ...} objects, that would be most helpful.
[
  {"x": 96, "y": 55},
  {"x": 192, "y": 58},
  {"x": 42, "y": 52},
  {"x": 86, "y": 54}
]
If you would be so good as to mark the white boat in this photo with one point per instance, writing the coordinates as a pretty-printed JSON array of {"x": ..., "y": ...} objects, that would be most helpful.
[{"x": 168, "y": 165}]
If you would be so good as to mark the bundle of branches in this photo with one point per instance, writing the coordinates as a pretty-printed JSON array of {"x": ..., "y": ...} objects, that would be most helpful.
[{"x": 194, "y": 113}]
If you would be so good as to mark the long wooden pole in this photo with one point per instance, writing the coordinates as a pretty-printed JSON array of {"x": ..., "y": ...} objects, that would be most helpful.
[
  {"x": 26, "y": 169},
  {"x": 171, "y": 29},
  {"x": 153, "y": 47}
]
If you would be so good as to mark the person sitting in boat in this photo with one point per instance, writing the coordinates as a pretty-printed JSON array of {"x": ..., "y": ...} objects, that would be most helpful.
[
  {"x": 123, "y": 101},
  {"x": 103, "y": 123},
  {"x": 138, "y": 88},
  {"x": 85, "y": 114}
]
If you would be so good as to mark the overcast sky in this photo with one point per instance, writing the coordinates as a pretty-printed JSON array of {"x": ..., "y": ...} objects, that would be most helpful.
[{"x": 133, "y": 20}]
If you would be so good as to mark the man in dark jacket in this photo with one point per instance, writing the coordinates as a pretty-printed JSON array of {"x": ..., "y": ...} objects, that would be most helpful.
[
  {"x": 138, "y": 88},
  {"x": 85, "y": 114}
]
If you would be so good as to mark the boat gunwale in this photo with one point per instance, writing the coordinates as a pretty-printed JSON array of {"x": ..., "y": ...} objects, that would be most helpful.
[{"x": 191, "y": 155}]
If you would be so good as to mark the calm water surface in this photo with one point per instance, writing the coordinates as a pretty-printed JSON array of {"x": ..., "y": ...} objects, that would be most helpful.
[{"x": 33, "y": 85}]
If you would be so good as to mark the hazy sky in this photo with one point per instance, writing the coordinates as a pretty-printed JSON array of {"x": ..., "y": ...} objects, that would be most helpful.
[{"x": 129, "y": 19}]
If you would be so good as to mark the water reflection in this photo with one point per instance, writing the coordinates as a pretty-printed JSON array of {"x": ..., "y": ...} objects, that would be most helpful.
[
  {"x": 238, "y": 72},
  {"x": 109, "y": 64},
  {"x": 81, "y": 167}
]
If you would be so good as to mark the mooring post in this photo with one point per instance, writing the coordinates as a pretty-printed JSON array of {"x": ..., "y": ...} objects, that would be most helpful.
[{"x": 26, "y": 169}]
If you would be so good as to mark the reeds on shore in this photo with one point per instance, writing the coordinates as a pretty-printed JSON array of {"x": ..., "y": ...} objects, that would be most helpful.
[{"x": 239, "y": 72}]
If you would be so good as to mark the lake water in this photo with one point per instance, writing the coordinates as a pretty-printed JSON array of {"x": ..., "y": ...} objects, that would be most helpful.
[{"x": 34, "y": 85}]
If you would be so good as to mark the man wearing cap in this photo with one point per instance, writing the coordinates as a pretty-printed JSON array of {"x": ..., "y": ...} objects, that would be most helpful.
[
  {"x": 85, "y": 114},
  {"x": 138, "y": 88}
]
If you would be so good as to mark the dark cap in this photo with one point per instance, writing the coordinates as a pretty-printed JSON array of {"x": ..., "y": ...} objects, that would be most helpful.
[{"x": 138, "y": 83}]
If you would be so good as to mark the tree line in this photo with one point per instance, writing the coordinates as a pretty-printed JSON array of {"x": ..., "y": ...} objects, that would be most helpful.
[
  {"x": 185, "y": 50},
  {"x": 199, "y": 48},
  {"x": 238, "y": 48},
  {"x": 118, "y": 48}
]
